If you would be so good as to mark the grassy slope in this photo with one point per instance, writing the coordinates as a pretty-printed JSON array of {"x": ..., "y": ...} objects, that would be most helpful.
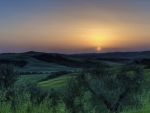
[
  {"x": 33, "y": 64},
  {"x": 41, "y": 66},
  {"x": 56, "y": 82},
  {"x": 33, "y": 77}
]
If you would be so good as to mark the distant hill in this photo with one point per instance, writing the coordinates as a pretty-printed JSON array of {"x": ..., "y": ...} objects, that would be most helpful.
[
  {"x": 122, "y": 56},
  {"x": 51, "y": 62},
  {"x": 33, "y": 65},
  {"x": 64, "y": 60}
]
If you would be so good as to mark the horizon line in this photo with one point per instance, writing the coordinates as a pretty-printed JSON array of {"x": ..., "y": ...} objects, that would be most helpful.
[{"x": 74, "y": 53}]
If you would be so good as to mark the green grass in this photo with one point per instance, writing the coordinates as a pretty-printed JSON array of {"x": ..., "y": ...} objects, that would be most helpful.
[
  {"x": 56, "y": 82},
  {"x": 40, "y": 66},
  {"x": 33, "y": 77},
  {"x": 34, "y": 64}
]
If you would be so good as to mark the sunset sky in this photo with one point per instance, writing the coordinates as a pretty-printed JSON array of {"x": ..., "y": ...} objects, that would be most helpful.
[{"x": 74, "y": 26}]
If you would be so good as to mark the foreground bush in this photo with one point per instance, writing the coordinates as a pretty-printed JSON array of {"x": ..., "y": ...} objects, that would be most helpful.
[
  {"x": 105, "y": 90},
  {"x": 117, "y": 90},
  {"x": 8, "y": 76}
]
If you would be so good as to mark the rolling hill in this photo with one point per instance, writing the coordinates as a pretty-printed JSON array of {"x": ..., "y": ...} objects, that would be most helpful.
[{"x": 52, "y": 62}]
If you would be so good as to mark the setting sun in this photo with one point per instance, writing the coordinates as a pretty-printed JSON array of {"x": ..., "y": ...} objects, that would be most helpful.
[{"x": 98, "y": 48}]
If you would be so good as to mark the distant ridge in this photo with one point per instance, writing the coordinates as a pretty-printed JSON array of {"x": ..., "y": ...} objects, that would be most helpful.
[
  {"x": 123, "y": 55},
  {"x": 115, "y": 52}
]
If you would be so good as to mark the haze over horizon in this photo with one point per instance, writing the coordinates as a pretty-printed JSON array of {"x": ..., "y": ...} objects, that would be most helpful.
[{"x": 74, "y": 26}]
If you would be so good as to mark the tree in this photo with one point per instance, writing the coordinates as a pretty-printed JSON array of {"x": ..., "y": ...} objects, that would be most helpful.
[
  {"x": 8, "y": 76},
  {"x": 108, "y": 89},
  {"x": 114, "y": 90},
  {"x": 73, "y": 94}
]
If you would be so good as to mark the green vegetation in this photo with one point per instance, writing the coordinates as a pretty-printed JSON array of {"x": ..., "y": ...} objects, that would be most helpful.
[
  {"x": 34, "y": 65},
  {"x": 55, "y": 75},
  {"x": 99, "y": 88},
  {"x": 94, "y": 90},
  {"x": 57, "y": 81},
  {"x": 19, "y": 63},
  {"x": 7, "y": 77}
]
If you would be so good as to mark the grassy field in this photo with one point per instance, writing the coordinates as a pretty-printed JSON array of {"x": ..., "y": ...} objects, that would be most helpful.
[
  {"x": 33, "y": 77},
  {"x": 34, "y": 64},
  {"x": 56, "y": 82},
  {"x": 25, "y": 106},
  {"x": 41, "y": 66}
]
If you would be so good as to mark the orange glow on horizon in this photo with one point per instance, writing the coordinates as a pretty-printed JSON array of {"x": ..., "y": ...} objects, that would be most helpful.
[
  {"x": 71, "y": 28},
  {"x": 98, "y": 48},
  {"x": 97, "y": 36}
]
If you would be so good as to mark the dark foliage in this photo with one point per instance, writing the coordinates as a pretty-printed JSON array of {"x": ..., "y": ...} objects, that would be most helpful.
[
  {"x": 58, "y": 60},
  {"x": 54, "y": 97},
  {"x": 19, "y": 63},
  {"x": 64, "y": 61},
  {"x": 29, "y": 73},
  {"x": 7, "y": 76},
  {"x": 119, "y": 89},
  {"x": 37, "y": 93},
  {"x": 114, "y": 59},
  {"x": 108, "y": 89},
  {"x": 73, "y": 96},
  {"x": 145, "y": 62}
]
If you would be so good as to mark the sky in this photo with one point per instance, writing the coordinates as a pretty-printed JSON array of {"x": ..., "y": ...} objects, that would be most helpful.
[{"x": 74, "y": 26}]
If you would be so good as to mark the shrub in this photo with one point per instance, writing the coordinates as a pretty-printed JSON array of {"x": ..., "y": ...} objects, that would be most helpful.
[
  {"x": 37, "y": 94},
  {"x": 54, "y": 99},
  {"x": 116, "y": 90},
  {"x": 73, "y": 95},
  {"x": 8, "y": 76},
  {"x": 105, "y": 89}
]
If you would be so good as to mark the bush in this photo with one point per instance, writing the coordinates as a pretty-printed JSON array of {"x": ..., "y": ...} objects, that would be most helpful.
[
  {"x": 37, "y": 94},
  {"x": 116, "y": 90},
  {"x": 73, "y": 95},
  {"x": 54, "y": 99},
  {"x": 8, "y": 76},
  {"x": 105, "y": 89}
]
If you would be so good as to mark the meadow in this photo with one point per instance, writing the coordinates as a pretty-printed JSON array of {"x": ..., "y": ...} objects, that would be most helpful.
[{"x": 109, "y": 86}]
